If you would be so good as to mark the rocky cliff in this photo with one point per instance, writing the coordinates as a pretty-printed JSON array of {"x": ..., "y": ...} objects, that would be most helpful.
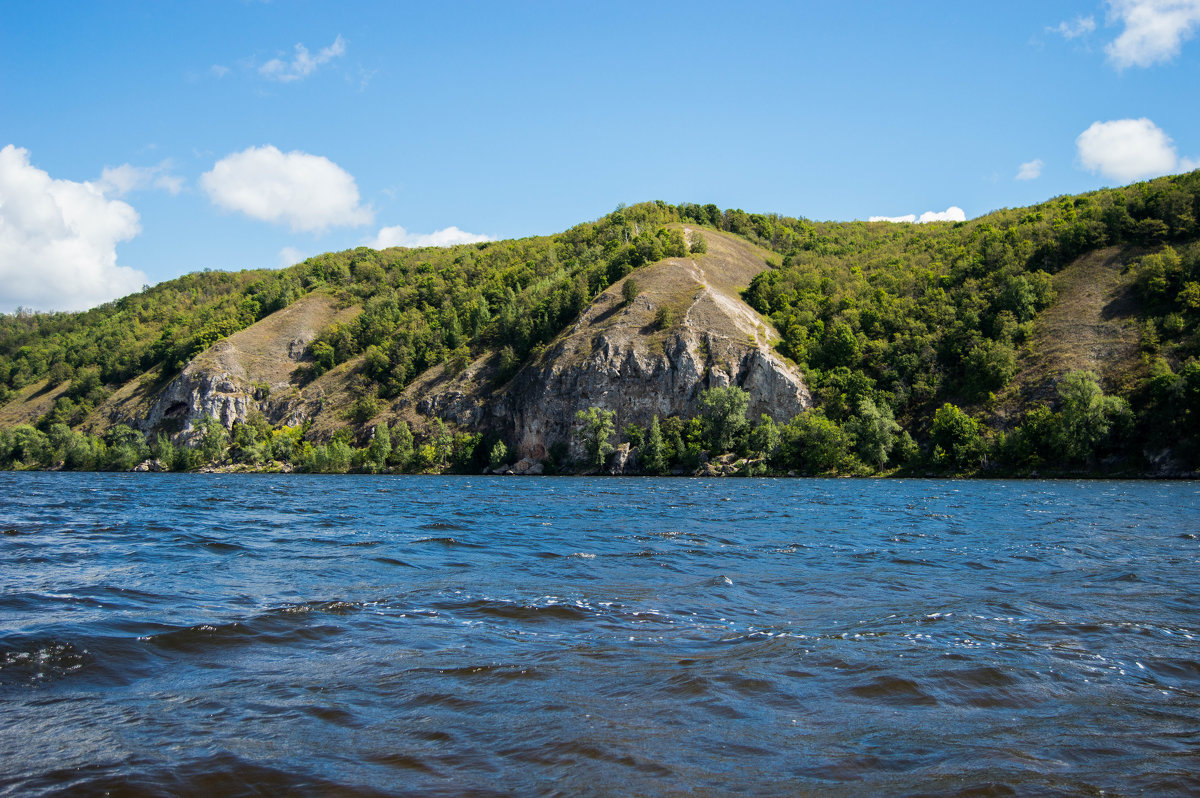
[
  {"x": 257, "y": 369},
  {"x": 687, "y": 330}
]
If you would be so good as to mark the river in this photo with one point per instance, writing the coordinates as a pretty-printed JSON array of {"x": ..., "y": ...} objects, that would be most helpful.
[{"x": 190, "y": 634}]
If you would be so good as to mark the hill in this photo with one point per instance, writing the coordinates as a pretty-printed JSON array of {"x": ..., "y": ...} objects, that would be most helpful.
[{"x": 1060, "y": 338}]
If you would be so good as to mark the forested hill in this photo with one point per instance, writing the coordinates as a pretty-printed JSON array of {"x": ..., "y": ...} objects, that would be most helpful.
[{"x": 1059, "y": 338}]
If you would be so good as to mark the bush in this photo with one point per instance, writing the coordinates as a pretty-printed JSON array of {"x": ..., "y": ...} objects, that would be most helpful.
[
  {"x": 596, "y": 426},
  {"x": 956, "y": 439},
  {"x": 629, "y": 290}
]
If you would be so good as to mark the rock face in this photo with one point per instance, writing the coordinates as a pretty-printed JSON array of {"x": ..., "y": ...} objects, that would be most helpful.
[
  {"x": 617, "y": 358},
  {"x": 686, "y": 330},
  {"x": 252, "y": 370}
]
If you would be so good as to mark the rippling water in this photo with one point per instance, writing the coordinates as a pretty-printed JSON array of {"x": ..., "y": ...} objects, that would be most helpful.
[{"x": 196, "y": 634}]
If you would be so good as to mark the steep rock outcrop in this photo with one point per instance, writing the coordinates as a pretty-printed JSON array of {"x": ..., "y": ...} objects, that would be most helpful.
[
  {"x": 255, "y": 369},
  {"x": 617, "y": 358}
]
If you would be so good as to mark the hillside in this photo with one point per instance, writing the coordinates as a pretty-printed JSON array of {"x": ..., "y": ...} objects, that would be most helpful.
[{"x": 1060, "y": 338}]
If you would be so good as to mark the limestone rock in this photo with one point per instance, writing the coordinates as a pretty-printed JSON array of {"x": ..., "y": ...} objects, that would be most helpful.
[{"x": 615, "y": 357}]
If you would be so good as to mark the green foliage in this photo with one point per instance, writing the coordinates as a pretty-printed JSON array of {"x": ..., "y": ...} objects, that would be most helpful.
[
  {"x": 873, "y": 429},
  {"x": 498, "y": 455},
  {"x": 907, "y": 319},
  {"x": 126, "y": 448},
  {"x": 434, "y": 455},
  {"x": 990, "y": 365},
  {"x": 957, "y": 440},
  {"x": 423, "y": 307},
  {"x": 635, "y": 434},
  {"x": 596, "y": 426},
  {"x": 163, "y": 326},
  {"x": 1088, "y": 419},
  {"x": 213, "y": 439},
  {"x": 765, "y": 438},
  {"x": 816, "y": 444},
  {"x": 335, "y": 457},
  {"x": 724, "y": 413},
  {"x": 375, "y": 457},
  {"x": 401, "y": 456},
  {"x": 652, "y": 453},
  {"x": 364, "y": 408},
  {"x": 629, "y": 290}
]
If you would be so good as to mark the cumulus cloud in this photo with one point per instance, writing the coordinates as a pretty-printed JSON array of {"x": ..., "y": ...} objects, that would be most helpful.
[
  {"x": 1080, "y": 26},
  {"x": 1155, "y": 30},
  {"x": 290, "y": 256},
  {"x": 303, "y": 63},
  {"x": 117, "y": 181},
  {"x": 58, "y": 240},
  {"x": 1128, "y": 150},
  {"x": 397, "y": 236},
  {"x": 951, "y": 214},
  {"x": 1030, "y": 170},
  {"x": 306, "y": 192}
]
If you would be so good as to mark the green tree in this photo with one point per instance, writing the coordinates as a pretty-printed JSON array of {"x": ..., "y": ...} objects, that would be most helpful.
[
  {"x": 840, "y": 346},
  {"x": 873, "y": 430},
  {"x": 375, "y": 457},
  {"x": 723, "y": 410},
  {"x": 1087, "y": 417},
  {"x": 816, "y": 443},
  {"x": 498, "y": 456},
  {"x": 635, "y": 434},
  {"x": 163, "y": 450},
  {"x": 401, "y": 456},
  {"x": 629, "y": 290},
  {"x": 956, "y": 439},
  {"x": 596, "y": 426},
  {"x": 323, "y": 357},
  {"x": 765, "y": 437},
  {"x": 212, "y": 440},
  {"x": 652, "y": 453},
  {"x": 990, "y": 365},
  {"x": 126, "y": 448},
  {"x": 338, "y": 457},
  {"x": 441, "y": 443}
]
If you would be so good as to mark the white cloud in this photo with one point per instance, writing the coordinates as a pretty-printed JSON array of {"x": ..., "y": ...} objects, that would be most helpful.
[
  {"x": 1128, "y": 150},
  {"x": 290, "y": 256},
  {"x": 117, "y": 181},
  {"x": 397, "y": 236},
  {"x": 306, "y": 192},
  {"x": 1030, "y": 170},
  {"x": 1080, "y": 26},
  {"x": 951, "y": 214},
  {"x": 219, "y": 70},
  {"x": 1155, "y": 30},
  {"x": 303, "y": 64},
  {"x": 58, "y": 240}
]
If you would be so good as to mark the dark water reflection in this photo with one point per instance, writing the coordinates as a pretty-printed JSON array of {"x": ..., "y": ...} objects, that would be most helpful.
[{"x": 189, "y": 634}]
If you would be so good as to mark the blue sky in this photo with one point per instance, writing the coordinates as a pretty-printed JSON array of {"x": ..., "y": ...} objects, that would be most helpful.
[{"x": 143, "y": 140}]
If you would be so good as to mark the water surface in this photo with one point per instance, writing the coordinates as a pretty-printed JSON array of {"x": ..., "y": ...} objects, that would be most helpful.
[{"x": 205, "y": 634}]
